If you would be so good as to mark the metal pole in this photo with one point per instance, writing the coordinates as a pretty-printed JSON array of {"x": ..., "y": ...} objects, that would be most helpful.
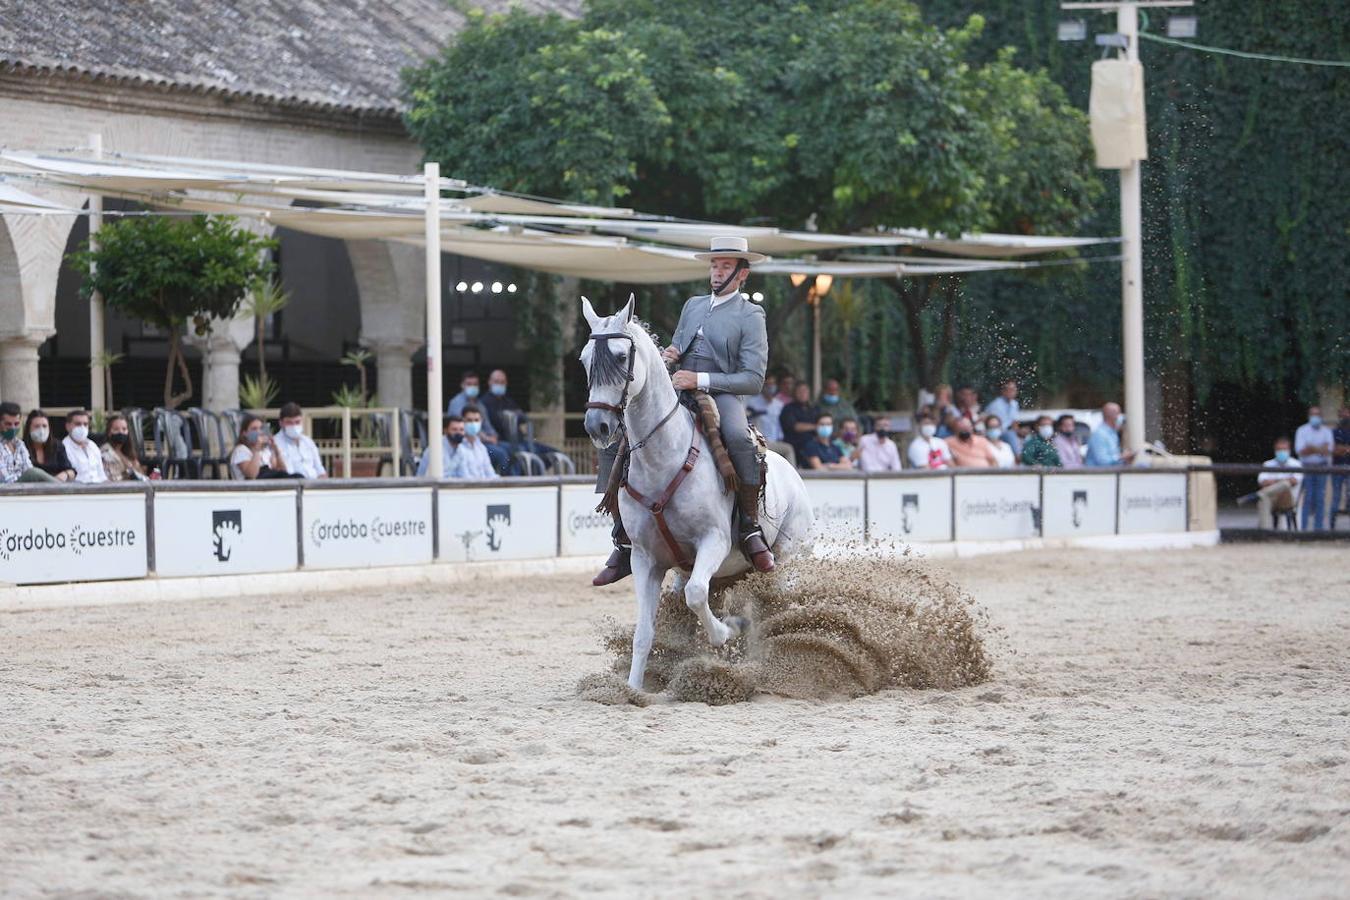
[
  {"x": 1132, "y": 266},
  {"x": 816, "y": 384},
  {"x": 97, "y": 343},
  {"x": 431, "y": 174}
]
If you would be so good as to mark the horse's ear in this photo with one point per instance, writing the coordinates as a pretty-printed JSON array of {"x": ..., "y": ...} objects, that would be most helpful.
[
  {"x": 627, "y": 310},
  {"x": 589, "y": 312}
]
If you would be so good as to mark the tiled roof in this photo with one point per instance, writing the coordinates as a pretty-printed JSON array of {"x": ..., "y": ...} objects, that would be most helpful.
[{"x": 328, "y": 54}]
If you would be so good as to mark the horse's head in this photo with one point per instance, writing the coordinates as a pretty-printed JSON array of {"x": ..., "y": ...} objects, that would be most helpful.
[{"x": 614, "y": 372}]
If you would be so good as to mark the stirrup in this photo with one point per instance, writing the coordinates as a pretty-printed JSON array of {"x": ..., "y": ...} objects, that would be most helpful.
[
  {"x": 618, "y": 567},
  {"x": 757, "y": 551}
]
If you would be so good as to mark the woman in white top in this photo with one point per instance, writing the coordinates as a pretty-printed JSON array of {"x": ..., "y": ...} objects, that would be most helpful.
[
  {"x": 993, "y": 432},
  {"x": 253, "y": 455}
]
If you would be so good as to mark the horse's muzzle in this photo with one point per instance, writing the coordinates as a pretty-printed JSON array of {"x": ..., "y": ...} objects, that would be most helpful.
[{"x": 602, "y": 426}]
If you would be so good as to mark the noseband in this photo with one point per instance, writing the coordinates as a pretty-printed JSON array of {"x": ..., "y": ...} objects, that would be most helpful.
[{"x": 628, "y": 377}]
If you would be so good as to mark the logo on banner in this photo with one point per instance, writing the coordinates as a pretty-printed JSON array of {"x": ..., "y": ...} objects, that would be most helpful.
[
  {"x": 1080, "y": 503},
  {"x": 909, "y": 512},
  {"x": 77, "y": 541},
  {"x": 226, "y": 527},
  {"x": 498, "y": 523}
]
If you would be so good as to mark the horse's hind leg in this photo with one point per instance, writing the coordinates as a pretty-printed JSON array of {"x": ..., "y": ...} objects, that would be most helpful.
[
  {"x": 647, "y": 578},
  {"x": 706, "y": 562}
]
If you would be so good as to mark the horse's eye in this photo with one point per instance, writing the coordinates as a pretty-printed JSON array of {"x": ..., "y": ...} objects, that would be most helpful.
[{"x": 622, "y": 357}]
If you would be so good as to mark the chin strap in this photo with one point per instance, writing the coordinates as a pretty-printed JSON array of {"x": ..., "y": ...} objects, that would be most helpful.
[{"x": 741, "y": 266}]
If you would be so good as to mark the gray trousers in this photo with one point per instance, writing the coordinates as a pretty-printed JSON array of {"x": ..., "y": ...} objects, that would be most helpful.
[{"x": 735, "y": 434}]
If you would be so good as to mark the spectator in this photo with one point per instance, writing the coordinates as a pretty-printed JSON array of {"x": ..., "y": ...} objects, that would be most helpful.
[
  {"x": 787, "y": 387},
  {"x": 877, "y": 451},
  {"x": 83, "y": 453},
  {"x": 928, "y": 451},
  {"x": 296, "y": 452},
  {"x": 944, "y": 411},
  {"x": 968, "y": 404},
  {"x": 1278, "y": 491},
  {"x": 499, "y": 409},
  {"x": 764, "y": 409},
  {"x": 798, "y": 419},
  {"x": 1007, "y": 409},
  {"x": 997, "y": 438},
  {"x": 119, "y": 456},
  {"x": 846, "y": 439},
  {"x": 1039, "y": 450},
  {"x": 832, "y": 402},
  {"x": 44, "y": 450},
  {"x": 452, "y": 438},
  {"x": 820, "y": 452},
  {"x": 255, "y": 453},
  {"x": 15, "y": 463},
  {"x": 1313, "y": 444},
  {"x": 1340, "y": 452},
  {"x": 1066, "y": 442},
  {"x": 468, "y": 395},
  {"x": 1103, "y": 447},
  {"x": 471, "y": 458},
  {"x": 970, "y": 450}
]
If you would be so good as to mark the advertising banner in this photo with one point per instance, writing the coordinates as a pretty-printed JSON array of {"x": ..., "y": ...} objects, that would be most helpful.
[
  {"x": 1152, "y": 502},
  {"x": 838, "y": 505},
  {"x": 997, "y": 507},
  {"x": 909, "y": 509},
  {"x": 224, "y": 533},
  {"x": 345, "y": 529},
  {"x": 89, "y": 537},
  {"x": 1079, "y": 505},
  {"x": 585, "y": 532},
  {"x": 478, "y": 524}
]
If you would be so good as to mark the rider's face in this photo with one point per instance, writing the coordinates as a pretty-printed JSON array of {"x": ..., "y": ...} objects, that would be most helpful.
[{"x": 720, "y": 269}]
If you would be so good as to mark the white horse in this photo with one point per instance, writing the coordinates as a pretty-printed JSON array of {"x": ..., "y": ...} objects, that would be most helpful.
[{"x": 629, "y": 379}]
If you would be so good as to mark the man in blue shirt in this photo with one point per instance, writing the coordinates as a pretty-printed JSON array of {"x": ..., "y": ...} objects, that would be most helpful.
[
  {"x": 468, "y": 396},
  {"x": 820, "y": 452},
  {"x": 1006, "y": 407},
  {"x": 1103, "y": 447}
]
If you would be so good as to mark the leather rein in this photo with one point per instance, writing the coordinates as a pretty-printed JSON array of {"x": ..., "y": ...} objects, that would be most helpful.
[{"x": 658, "y": 506}]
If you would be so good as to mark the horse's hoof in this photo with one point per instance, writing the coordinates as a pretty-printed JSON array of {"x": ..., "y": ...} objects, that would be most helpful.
[{"x": 739, "y": 625}]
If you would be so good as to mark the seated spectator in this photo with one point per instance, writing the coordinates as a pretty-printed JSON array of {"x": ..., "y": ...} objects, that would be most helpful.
[
  {"x": 970, "y": 450},
  {"x": 968, "y": 404},
  {"x": 1039, "y": 450},
  {"x": 763, "y": 410},
  {"x": 833, "y": 402},
  {"x": 846, "y": 439},
  {"x": 1313, "y": 444},
  {"x": 468, "y": 396},
  {"x": 15, "y": 463},
  {"x": 83, "y": 453},
  {"x": 295, "y": 450},
  {"x": 944, "y": 410},
  {"x": 798, "y": 419},
  {"x": 495, "y": 406},
  {"x": 1103, "y": 448},
  {"x": 820, "y": 452},
  {"x": 787, "y": 387},
  {"x": 1278, "y": 492},
  {"x": 928, "y": 451},
  {"x": 452, "y": 437},
  {"x": 994, "y": 434},
  {"x": 119, "y": 456},
  {"x": 1006, "y": 408},
  {"x": 44, "y": 450},
  {"x": 471, "y": 456},
  {"x": 1066, "y": 443},
  {"x": 255, "y": 455},
  {"x": 877, "y": 451}
]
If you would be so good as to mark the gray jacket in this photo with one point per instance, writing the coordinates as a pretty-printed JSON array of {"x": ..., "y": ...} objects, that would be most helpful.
[{"x": 737, "y": 336}]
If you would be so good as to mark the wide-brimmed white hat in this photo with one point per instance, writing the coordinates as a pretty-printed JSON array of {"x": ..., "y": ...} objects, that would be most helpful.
[{"x": 733, "y": 248}]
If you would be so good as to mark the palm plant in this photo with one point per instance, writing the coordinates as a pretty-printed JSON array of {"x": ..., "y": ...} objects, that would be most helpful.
[
  {"x": 258, "y": 393},
  {"x": 107, "y": 359},
  {"x": 267, "y": 300}
]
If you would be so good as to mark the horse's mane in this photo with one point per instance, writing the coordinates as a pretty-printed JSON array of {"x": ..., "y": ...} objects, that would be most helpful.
[{"x": 605, "y": 368}]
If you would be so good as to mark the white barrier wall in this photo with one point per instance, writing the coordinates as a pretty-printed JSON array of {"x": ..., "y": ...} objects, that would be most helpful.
[
  {"x": 1152, "y": 502},
  {"x": 909, "y": 509},
  {"x": 499, "y": 523},
  {"x": 585, "y": 532},
  {"x": 225, "y": 533},
  {"x": 997, "y": 507},
  {"x": 359, "y": 527},
  {"x": 1078, "y": 505},
  {"x": 83, "y": 537},
  {"x": 840, "y": 506}
]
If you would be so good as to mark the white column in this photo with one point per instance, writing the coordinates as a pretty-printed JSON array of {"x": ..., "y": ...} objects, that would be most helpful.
[
  {"x": 431, "y": 175},
  {"x": 19, "y": 370},
  {"x": 220, "y": 374},
  {"x": 393, "y": 362},
  {"x": 1132, "y": 266},
  {"x": 97, "y": 342}
]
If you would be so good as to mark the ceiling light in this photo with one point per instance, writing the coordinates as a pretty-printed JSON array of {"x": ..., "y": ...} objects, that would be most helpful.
[
  {"x": 496, "y": 287},
  {"x": 462, "y": 286},
  {"x": 477, "y": 287}
]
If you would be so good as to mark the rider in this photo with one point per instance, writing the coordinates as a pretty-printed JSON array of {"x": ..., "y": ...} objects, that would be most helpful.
[{"x": 722, "y": 347}]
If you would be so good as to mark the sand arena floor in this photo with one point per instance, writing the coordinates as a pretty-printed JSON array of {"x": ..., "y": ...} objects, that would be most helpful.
[{"x": 1161, "y": 724}]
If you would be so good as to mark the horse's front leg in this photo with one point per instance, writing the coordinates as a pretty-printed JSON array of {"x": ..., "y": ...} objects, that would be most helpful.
[
  {"x": 647, "y": 578},
  {"x": 711, "y": 552}
]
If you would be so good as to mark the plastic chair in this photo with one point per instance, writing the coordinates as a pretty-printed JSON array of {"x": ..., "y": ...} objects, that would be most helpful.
[
  {"x": 412, "y": 438},
  {"x": 138, "y": 423},
  {"x": 173, "y": 438},
  {"x": 530, "y": 463},
  {"x": 562, "y": 464},
  {"x": 215, "y": 450}
]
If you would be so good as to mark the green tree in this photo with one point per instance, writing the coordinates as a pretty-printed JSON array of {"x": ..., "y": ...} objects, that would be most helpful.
[{"x": 176, "y": 273}]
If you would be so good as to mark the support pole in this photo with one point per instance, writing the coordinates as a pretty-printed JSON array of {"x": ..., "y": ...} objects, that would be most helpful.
[
  {"x": 816, "y": 384},
  {"x": 1132, "y": 266},
  {"x": 97, "y": 343},
  {"x": 431, "y": 174}
]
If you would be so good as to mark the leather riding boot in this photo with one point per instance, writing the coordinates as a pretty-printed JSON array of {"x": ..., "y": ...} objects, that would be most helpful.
[
  {"x": 753, "y": 545},
  {"x": 620, "y": 562}
]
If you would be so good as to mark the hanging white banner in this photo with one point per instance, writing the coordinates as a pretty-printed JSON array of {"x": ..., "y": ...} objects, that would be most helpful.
[
  {"x": 224, "y": 532},
  {"x": 88, "y": 537},
  {"x": 357, "y": 527},
  {"x": 479, "y": 524},
  {"x": 1079, "y": 505},
  {"x": 909, "y": 509}
]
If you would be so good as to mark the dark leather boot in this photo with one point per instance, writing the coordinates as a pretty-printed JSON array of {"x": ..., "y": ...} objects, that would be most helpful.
[
  {"x": 753, "y": 545},
  {"x": 620, "y": 563}
]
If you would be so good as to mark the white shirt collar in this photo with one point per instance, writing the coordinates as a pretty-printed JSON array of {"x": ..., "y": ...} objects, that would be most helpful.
[{"x": 718, "y": 301}]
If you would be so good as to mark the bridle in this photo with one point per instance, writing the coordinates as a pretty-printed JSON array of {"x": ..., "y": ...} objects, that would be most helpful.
[{"x": 628, "y": 376}]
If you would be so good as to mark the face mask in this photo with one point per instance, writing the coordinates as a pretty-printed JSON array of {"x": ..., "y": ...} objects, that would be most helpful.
[
  {"x": 979, "y": 429},
  {"x": 1282, "y": 456},
  {"x": 1045, "y": 431},
  {"x": 252, "y": 435},
  {"x": 498, "y": 390},
  {"x": 881, "y": 434},
  {"x": 118, "y": 440},
  {"x": 79, "y": 433},
  {"x": 770, "y": 390},
  {"x": 294, "y": 432},
  {"x": 471, "y": 391},
  {"x": 40, "y": 435},
  {"x": 1315, "y": 421},
  {"x": 9, "y": 434},
  {"x": 928, "y": 430},
  {"x": 830, "y": 399},
  {"x": 850, "y": 434},
  {"x": 472, "y": 428},
  {"x": 456, "y": 439},
  {"x": 824, "y": 431},
  {"x": 994, "y": 433},
  {"x": 963, "y": 435}
]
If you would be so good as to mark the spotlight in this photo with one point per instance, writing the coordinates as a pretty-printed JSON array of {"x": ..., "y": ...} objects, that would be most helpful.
[
  {"x": 511, "y": 288},
  {"x": 496, "y": 287},
  {"x": 462, "y": 286},
  {"x": 744, "y": 295},
  {"x": 477, "y": 287}
]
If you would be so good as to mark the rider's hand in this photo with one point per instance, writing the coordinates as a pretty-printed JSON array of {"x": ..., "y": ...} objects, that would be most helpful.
[
  {"x": 684, "y": 380},
  {"x": 670, "y": 354}
]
